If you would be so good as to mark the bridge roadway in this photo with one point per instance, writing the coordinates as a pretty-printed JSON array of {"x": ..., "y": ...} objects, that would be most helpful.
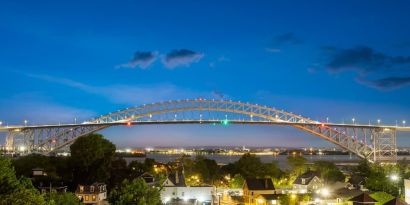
[{"x": 154, "y": 122}]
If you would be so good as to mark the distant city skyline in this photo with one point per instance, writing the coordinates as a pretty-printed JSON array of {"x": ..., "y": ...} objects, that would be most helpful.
[{"x": 66, "y": 62}]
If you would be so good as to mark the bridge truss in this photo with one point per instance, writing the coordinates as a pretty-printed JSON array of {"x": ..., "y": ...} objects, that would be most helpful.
[{"x": 375, "y": 143}]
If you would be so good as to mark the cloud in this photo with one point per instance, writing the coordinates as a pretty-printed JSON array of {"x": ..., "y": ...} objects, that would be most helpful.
[
  {"x": 181, "y": 57},
  {"x": 130, "y": 94},
  {"x": 368, "y": 64},
  {"x": 141, "y": 59},
  {"x": 363, "y": 60},
  {"x": 389, "y": 83},
  {"x": 282, "y": 41}
]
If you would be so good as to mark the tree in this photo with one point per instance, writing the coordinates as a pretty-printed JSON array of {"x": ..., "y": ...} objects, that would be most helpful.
[
  {"x": 363, "y": 169},
  {"x": 67, "y": 198},
  {"x": 118, "y": 172},
  {"x": 135, "y": 192},
  {"x": 328, "y": 171},
  {"x": 91, "y": 157},
  {"x": 14, "y": 191},
  {"x": 249, "y": 166},
  {"x": 271, "y": 170},
  {"x": 207, "y": 169},
  {"x": 297, "y": 164},
  {"x": 236, "y": 182}
]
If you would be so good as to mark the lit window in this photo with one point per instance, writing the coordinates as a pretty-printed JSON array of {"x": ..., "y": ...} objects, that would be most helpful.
[
  {"x": 91, "y": 189},
  {"x": 81, "y": 188},
  {"x": 94, "y": 197},
  {"x": 86, "y": 198}
]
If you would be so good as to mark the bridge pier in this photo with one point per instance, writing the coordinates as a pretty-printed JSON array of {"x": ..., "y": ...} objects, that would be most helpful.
[{"x": 385, "y": 145}]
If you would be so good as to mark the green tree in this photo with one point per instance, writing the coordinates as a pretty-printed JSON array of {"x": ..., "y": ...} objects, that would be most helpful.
[
  {"x": 236, "y": 182},
  {"x": 364, "y": 168},
  {"x": 328, "y": 171},
  {"x": 14, "y": 191},
  {"x": 91, "y": 158},
  {"x": 249, "y": 166},
  {"x": 118, "y": 172},
  {"x": 207, "y": 169},
  {"x": 135, "y": 192},
  {"x": 67, "y": 198},
  {"x": 271, "y": 170},
  {"x": 297, "y": 164}
]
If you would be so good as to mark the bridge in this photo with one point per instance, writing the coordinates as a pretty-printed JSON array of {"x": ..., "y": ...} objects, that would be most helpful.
[{"x": 377, "y": 143}]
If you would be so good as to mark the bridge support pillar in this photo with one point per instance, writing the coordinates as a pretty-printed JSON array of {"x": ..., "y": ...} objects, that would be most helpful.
[{"x": 385, "y": 147}]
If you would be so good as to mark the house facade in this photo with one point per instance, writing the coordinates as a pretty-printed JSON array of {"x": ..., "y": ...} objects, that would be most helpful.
[
  {"x": 175, "y": 190},
  {"x": 92, "y": 194},
  {"x": 259, "y": 192},
  {"x": 307, "y": 182}
]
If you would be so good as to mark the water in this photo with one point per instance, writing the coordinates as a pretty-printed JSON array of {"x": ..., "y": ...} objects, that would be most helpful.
[{"x": 225, "y": 159}]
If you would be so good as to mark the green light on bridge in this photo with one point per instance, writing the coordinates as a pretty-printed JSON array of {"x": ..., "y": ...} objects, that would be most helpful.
[{"x": 225, "y": 122}]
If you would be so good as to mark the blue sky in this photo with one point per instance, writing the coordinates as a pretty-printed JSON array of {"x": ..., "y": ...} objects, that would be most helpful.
[{"x": 66, "y": 59}]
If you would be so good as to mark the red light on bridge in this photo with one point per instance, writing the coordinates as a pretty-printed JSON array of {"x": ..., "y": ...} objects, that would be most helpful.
[
  {"x": 129, "y": 123},
  {"x": 322, "y": 125}
]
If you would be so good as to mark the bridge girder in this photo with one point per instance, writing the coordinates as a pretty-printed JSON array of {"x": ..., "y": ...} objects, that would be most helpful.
[{"x": 374, "y": 144}]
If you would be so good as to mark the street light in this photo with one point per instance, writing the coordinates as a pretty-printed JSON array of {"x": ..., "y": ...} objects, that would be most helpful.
[
  {"x": 353, "y": 119},
  {"x": 1, "y": 123},
  {"x": 394, "y": 177},
  {"x": 404, "y": 123},
  {"x": 327, "y": 119},
  {"x": 378, "y": 121},
  {"x": 25, "y": 122}
]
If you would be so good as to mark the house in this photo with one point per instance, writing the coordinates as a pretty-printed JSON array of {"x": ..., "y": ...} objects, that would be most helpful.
[
  {"x": 51, "y": 186},
  {"x": 307, "y": 182},
  {"x": 148, "y": 178},
  {"x": 175, "y": 191},
  {"x": 92, "y": 194},
  {"x": 363, "y": 199},
  {"x": 259, "y": 192}
]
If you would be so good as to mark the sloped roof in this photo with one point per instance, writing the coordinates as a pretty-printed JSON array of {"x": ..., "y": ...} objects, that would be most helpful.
[
  {"x": 259, "y": 184},
  {"x": 181, "y": 178},
  {"x": 364, "y": 197},
  {"x": 308, "y": 176},
  {"x": 395, "y": 201},
  {"x": 347, "y": 193}
]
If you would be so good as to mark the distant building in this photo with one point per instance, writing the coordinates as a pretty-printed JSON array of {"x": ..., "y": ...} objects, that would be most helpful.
[
  {"x": 175, "y": 191},
  {"x": 259, "y": 192},
  {"x": 92, "y": 194},
  {"x": 307, "y": 182}
]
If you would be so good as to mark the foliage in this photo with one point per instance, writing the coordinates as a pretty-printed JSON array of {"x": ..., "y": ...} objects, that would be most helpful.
[
  {"x": 381, "y": 197},
  {"x": 236, "y": 182},
  {"x": 135, "y": 192},
  {"x": 328, "y": 171},
  {"x": 91, "y": 156},
  {"x": 207, "y": 169},
  {"x": 14, "y": 191},
  {"x": 297, "y": 164},
  {"x": 364, "y": 168},
  {"x": 67, "y": 198}
]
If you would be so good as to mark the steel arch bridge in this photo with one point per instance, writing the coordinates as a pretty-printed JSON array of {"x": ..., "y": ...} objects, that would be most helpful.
[{"x": 375, "y": 143}]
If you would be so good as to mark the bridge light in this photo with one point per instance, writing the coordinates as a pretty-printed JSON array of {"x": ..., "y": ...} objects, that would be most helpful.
[
  {"x": 378, "y": 121},
  {"x": 225, "y": 122},
  {"x": 129, "y": 123},
  {"x": 1, "y": 123},
  {"x": 404, "y": 123},
  {"x": 353, "y": 119}
]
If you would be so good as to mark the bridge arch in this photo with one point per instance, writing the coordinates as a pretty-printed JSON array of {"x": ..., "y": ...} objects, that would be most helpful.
[{"x": 348, "y": 138}]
